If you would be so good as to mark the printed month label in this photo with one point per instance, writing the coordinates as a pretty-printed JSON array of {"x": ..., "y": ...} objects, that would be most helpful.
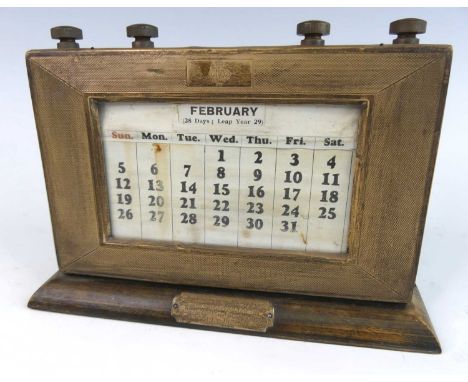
[{"x": 236, "y": 115}]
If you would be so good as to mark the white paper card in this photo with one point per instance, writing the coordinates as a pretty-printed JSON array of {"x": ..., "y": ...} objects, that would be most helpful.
[{"x": 241, "y": 175}]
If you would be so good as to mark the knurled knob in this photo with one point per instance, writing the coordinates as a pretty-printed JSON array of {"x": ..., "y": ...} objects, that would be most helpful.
[
  {"x": 67, "y": 36},
  {"x": 313, "y": 30},
  {"x": 407, "y": 29},
  {"x": 142, "y": 34}
]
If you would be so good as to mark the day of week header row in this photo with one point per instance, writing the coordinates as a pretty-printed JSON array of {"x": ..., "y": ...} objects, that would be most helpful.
[{"x": 345, "y": 143}]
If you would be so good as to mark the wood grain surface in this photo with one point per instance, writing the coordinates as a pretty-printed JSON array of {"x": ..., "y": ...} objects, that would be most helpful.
[{"x": 373, "y": 324}]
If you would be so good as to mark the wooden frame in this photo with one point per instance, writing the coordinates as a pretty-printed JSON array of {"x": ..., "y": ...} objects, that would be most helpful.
[{"x": 403, "y": 89}]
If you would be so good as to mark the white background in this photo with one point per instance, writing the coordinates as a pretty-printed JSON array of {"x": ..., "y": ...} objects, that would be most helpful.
[{"x": 40, "y": 345}]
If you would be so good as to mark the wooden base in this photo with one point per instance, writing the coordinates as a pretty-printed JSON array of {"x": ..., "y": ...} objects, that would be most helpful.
[{"x": 373, "y": 324}]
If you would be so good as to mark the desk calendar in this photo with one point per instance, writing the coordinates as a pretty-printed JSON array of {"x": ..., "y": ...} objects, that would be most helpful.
[{"x": 278, "y": 191}]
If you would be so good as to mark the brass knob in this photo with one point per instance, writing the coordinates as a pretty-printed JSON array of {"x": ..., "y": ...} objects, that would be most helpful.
[
  {"x": 67, "y": 36},
  {"x": 142, "y": 34},
  {"x": 407, "y": 29},
  {"x": 313, "y": 30}
]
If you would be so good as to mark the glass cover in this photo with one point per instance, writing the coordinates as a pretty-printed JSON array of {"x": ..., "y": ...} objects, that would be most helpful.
[{"x": 241, "y": 175}]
